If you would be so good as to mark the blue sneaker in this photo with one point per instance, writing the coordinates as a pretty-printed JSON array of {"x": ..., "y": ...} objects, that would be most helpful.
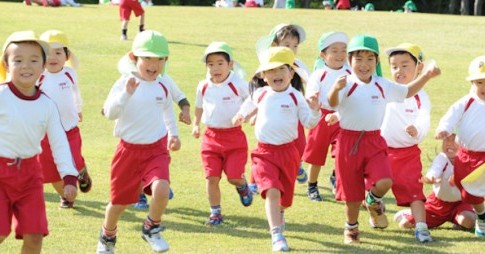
[
  {"x": 142, "y": 203},
  {"x": 279, "y": 243},
  {"x": 479, "y": 228},
  {"x": 170, "y": 194},
  {"x": 245, "y": 195},
  {"x": 253, "y": 188},
  {"x": 302, "y": 177},
  {"x": 423, "y": 235},
  {"x": 215, "y": 219}
]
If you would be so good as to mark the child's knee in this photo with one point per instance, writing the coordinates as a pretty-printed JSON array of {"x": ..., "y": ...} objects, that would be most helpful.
[
  {"x": 384, "y": 184},
  {"x": 33, "y": 241},
  {"x": 237, "y": 182},
  {"x": 466, "y": 219}
]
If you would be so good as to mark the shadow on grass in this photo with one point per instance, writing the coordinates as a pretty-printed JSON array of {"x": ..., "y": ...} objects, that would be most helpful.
[{"x": 188, "y": 43}]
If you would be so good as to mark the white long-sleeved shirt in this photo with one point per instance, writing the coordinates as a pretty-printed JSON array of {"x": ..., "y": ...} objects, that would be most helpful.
[
  {"x": 220, "y": 102},
  {"x": 362, "y": 105},
  {"x": 443, "y": 169},
  {"x": 143, "y": 117},
  {"x": 469, "y": 123},
  {"x": 63, "y": 89},
  {"x": 24, "y": 122},
  {"x": 415, "y": 111},
  {"x": 278, "y": 114},
  {"x": 175, "y": 92},
  {"x": 322, "y": 80}
]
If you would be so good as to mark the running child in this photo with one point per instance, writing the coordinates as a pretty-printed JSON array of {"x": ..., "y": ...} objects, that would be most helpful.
[
  {"x": 126, "y": 7},
  {"x": 59, "y": 82},
  {"x": 141, "y": 106},
  {"x": 361, "y": 161},
  {"x": 224, "y": 146},
  {"x": 27, "y": 115},
  {"x": 275, "y": 161},
  {"x": 467, "y": 118}
]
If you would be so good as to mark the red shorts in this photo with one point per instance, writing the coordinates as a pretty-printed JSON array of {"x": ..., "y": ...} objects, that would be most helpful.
[
  {"x": 22, "y": 198},
  {"x": 465, "y": 163},
  {"x": 360, "y": 162},
  {"x": 406, "y": 174},
  {"x": 319, "y": 139},
  {"x": 439, "y": 211},
  {"x": 134, "y": 165},
  {"x": 276, "y": 166},
  {"x": 301, "y": 140},
  {"x": 127, "y": 6},
  {"x": 49, "y": 168},
  {"x": 224, "y": 150}
]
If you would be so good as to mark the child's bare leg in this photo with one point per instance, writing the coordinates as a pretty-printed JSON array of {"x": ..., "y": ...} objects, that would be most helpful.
[
  {"x": 418, "y": 211},
  {"x": 213, "y": 190},
  {"x": 313, "y": 172},
  {"x": 381, "y": 187},
  {"x": 158, "y": 204},
  {"x": 352, "y": 212},
  {"x": 142, "y": 22},
  {"x": 237, "y": 182},
  {"x": 59, "y": 187},
  {"x": 32, "y": 244},
  {"x": 272, "y": 205},
  {"x": 479, "y": 208},
  {"x": 112, "y": 216},
  {"x": 466, "y": 219}
]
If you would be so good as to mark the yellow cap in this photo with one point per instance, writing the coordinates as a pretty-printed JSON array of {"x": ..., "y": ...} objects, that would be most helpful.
[
  {"x": 55, "y": 38},
  {"x": 476, "y": 70},
  {"x": 276, "y": 57},
  {"x": 412, "y": 49}
]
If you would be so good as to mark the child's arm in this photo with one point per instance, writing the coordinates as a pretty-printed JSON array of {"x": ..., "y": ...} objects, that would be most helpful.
[
  {"x": 247, "y": 110},
  {"x": 184, "y": 115},
  {"x": 173, "y": 142},
  {"x": 420, "y": 81},
  {"x": 421, "y": 127},
  {"x": 435, "y": 172},
  {"x": 309, "y": 113},
  {"x": 76, "y": 95},
  {"x": 198, "y": 116},
  {"x": 333, "y": 94},
  {"x": 332, "y": 118},
  {"x": 451, "y": 118},
  {"x": 118, "y": 96}
]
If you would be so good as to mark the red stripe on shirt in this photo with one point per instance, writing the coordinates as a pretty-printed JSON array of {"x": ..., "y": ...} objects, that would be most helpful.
[
  {"x": 380, "y": 89},
  {"x": 204, "y": 88},
  {"x": 69, "y": 77},
  {"x": 164, "y": 89},
  {"x": 418, "y": 100},
  {"x": 352, "y": 89},
  {"x": 323, "y": 76},
  {"x": 233, "y": 88},
  {"x": 294, "y": 98}
]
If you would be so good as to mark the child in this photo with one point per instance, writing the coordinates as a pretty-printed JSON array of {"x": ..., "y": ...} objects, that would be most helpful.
[
  {"x": 361, "y": 161},
  {"x": 333, "y": 52},
  {"x": 126, "y": 7},
  {"x": 59, "y": 82},
  {"x": 145, "y": 122},
  {"x": 444, "y": 203},
  {"x": 224, "y": 146},
  {"x": 467, "y": 117},
  {"x": 26, "y": 116},
  {"x": 279, "y": 109},
  {"x": 405, "y": 125}
]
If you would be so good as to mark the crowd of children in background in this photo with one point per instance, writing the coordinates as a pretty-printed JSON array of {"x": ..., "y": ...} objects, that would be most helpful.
[{"x": 372, "y": 126}]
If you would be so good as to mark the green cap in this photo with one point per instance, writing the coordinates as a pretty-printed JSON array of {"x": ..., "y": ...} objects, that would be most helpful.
[
  {"x": 411, "y": 6},
  {"x": 369, "y": 7},
  {"x": 365, "y": 42},
  {"x": 217, "y": 47},
  {"x": 150, "y": 44}
]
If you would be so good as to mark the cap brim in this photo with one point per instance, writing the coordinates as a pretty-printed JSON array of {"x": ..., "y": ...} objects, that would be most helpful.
[
  {"x": 475, "y": 77},
  {"x": 334, "y": 38},
  {"x": 263, "y": 44},
  {"x": 363, "y": 48},
  {"x": 389, "y": 51},
  {"x": 148, "y": 54}
]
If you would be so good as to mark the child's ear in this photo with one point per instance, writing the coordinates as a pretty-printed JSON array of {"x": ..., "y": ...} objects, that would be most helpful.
[
  {"x": 322, "y": 54},
  {"x": 419, "y": 68},
  {"x": 231, "y": 64},
  {"x": 131, "y": 56}
]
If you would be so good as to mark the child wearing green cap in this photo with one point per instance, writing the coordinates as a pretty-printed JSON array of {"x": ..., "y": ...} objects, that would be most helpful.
[
  {"x": 467, "y": 118},
  {"x": 276, "y": 160},
  {"x": 333, "y": 63},
  {"x": 142, "y": 107},
  {"x": 27, "y": 115},
  {"x": 404, "y": 127},
  {"x": 361, "y": 161},
  {"x": 224, "y": 146}
]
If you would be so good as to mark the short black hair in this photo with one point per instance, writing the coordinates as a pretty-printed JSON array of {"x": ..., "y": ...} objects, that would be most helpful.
[
  {"x": 223, "y": 54},
  {"x": 403, "y": 52}
]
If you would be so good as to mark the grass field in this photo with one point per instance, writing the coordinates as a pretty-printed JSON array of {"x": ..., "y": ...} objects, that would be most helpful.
[{"x": 311, "y": 227}]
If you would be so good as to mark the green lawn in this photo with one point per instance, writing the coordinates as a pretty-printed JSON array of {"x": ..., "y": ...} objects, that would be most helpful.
[{"x": 311, "y": 227}]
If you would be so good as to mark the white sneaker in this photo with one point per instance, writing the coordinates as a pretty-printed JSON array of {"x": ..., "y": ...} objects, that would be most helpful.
[
  {"x": 480, "y": 228},
  {"x": 401, "y": 217},
  {"x": 106, "y": 245},
  {"x": 423, "y": 235},
  {"x": 154, "y": 238}
]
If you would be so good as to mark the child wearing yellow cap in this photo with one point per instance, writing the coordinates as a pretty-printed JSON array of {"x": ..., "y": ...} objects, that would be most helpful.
[
  {"x": 60, "y": 83},
  {"x": 224, "y": 145},
  {"x": 404, "y": 127},
  {"x": 466, "y": 117},
  {"x": 145, "y": 122},
  {"x": 276, "y": 160},
  {"x": 361, "y": 161},
  {"x": 27, "y": 115}
]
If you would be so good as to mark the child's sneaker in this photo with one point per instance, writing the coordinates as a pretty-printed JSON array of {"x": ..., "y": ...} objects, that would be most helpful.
[
  {"x": 302, "y": 176},
  {"x": 333, "y": 182},
  {"x": 65, "y": 204},
  {"x": 423, "y": 235},
  {"x": 170, "y": 194},
  {"x": 378, "y": 218},
  {"x": 106, "y": 245},
  {"x": 214, "y": 219},
  {"x": 253, "y": 188},
  {"x": 124, "y": 37},
  {"x": 351, "y": 235},
  {"x": 245, "y": 195},
  {"x": 84, "y": 181},
  {"x": 153, "y": 237},
  {"x": 479, "y": 228},
  {"x": 313, "y": 193},
  {"x": 401, "y": 217},
  {"x": 142, "y": 203},
  {"x": 279, "y": 243}
]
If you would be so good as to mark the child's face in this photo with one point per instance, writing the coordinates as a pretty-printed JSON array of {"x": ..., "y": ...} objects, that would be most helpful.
[
  {"x": 291, "y": 42},
  {"x": 479, "y": 88},
  {"x": 363, "y": 64},
  {"x": 403, "y": 68},
  {"x": 450, "y": 147},
  {"x": 279, "y": 78},
  {"x": 218, "y": 67},
  {"x": 24, "y": 64},
  {"x": 335, "y": 55},
  {"x": 150, "y": 67},
  {"x": 56, "y": 59}
]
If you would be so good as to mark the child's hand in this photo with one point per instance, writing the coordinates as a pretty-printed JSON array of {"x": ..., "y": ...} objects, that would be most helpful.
[
  {"x": 313, "y": 102},
  {"x": 331, "y": 119},
  {"x": 426, "y": 179},
  {"x": 70, "y": 192},
  {"x": 184, "y": 116},
  {"x": 131, "y": 85},
  {"x": 340, "y": 83},
  {"x": 441, "y": 135},
  {"x": 237, "y": 120},
  {"x": 80, "y": 116},
  {"x": 196, "y": 131},
  {"x": 433, "y": 72},
  {"x": 412, "y": 131},
  {"x": 252, "y": 120},
  {"x": 174, "y": 143}
]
